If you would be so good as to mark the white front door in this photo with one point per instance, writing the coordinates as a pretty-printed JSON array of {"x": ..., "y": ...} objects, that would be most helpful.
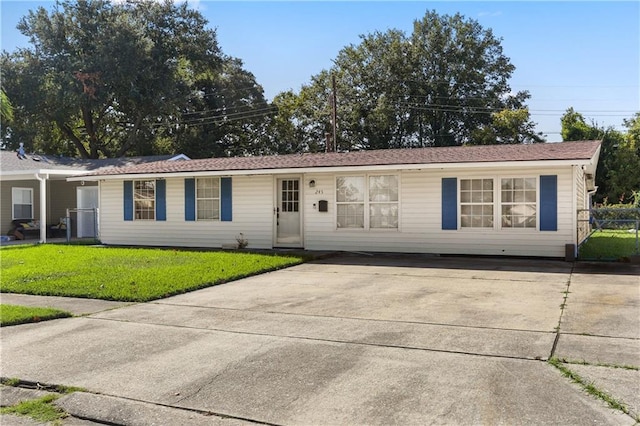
[
  {"x": 87, "y": 220},
  {"x": 288, "y": 217}
]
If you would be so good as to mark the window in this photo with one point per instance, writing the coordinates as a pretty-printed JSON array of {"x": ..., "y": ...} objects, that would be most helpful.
[
  {"x": 367, "y": 202},
  {"x": 518, "y": 203},
  {"x": 22, "y": 203},
  {"x": 383, "y": 201},
  {"x": 144, "y": 199},
  {"x": 290, "y": 195},
  {"x": 208, "y": 198},
  {"x": 476, "y": 203},
  {"x": 350, "y": 201}
]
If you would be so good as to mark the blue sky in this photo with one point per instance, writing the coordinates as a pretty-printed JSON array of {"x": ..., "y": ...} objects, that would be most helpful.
[{"x": 584, "y": 55}]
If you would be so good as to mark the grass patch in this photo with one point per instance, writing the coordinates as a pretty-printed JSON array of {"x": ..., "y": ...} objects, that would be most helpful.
[
  {"x": 598, "y": 364},
  {"x": 15, "y": 314},
  {"x": 62, "y": 389},
  {"x": 125, "y": 274},
  {"x": 608, "y": 245},
  {"x": 41, "y": 409},
  {"x": 590, "y": 388}
]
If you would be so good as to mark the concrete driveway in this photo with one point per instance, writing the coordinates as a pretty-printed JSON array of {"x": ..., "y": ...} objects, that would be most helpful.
[{"x": 355, "y": 340}]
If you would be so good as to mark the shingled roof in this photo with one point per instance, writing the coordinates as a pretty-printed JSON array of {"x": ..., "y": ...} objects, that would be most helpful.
[
  {"x": 580, "y": 150},
  {"x": 10, "y": 162}
]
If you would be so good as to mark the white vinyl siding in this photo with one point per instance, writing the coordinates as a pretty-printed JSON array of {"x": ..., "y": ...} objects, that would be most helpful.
[
  {"x": 420, "y": 222},
  {"x": 419, "y": 217},
  {"x": 252, "y": 216}
]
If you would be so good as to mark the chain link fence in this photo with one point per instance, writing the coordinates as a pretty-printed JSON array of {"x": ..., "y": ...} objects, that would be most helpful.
[{"x": 608, "y": 233}]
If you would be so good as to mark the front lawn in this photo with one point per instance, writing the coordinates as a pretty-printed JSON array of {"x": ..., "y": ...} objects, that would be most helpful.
[
  {"x": 125, "y": 274},
  {"x": 14, "y": 314},
  {"x": 609, "y": 245}
]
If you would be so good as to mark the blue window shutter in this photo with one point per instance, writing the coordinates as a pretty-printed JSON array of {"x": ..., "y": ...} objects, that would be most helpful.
[
  {"x": 161, "y": 199},
  {"x": 449, "y": 203},
  {"x": 189, "y": 199},
  {"x": 226, "y": 210},
  {"x": 127, "y": 202},
  {"x": 549, "y": 203}
]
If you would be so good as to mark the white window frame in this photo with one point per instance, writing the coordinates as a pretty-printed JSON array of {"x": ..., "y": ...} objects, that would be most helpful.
[
  {"x": 137, "y": 199},
  {"x": 199, "y": 198},
  {"x": 498, "y": 203},
  {"x": 481, "y": 204},
  {"x": 535, "y": 203},
  {"x": 366, "y": 203},
  {"x": 13, "y": 202}
]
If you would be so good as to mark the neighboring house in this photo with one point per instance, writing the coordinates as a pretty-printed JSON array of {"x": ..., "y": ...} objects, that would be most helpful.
[
  {"x": 484, "y": 200},
  {"x": 35, "y": 187}
]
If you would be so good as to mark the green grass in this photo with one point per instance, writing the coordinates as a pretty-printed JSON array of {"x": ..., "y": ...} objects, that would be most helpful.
[
  {"x": 590, "y": 388},
  {"x": 14, "y": 314},
  {"x": 609, "y": 245},
  {"x": 41, "y": 409},
  {"x": 125, "y": 274}
]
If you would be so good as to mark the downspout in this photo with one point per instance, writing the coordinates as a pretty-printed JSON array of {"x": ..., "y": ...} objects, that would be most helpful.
[{"x": 43, "y": 206}]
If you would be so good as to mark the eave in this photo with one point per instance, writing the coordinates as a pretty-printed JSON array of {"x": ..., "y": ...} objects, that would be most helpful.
[{"x": 587, "y": 163}]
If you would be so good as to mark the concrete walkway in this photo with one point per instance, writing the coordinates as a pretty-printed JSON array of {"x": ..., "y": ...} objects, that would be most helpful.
[{"x": 354, "y": 340}]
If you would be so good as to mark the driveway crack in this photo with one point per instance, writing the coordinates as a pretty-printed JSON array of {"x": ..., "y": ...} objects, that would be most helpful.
[{"x": 563, "y": 305}]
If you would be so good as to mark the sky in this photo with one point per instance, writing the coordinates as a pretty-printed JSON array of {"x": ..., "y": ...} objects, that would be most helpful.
[{"x": 584, "y": 55}]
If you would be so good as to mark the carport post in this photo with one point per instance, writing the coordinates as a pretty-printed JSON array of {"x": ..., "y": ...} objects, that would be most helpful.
[
  {"x": 68, "y": 221},
  {"x": 43, "y": 206}
]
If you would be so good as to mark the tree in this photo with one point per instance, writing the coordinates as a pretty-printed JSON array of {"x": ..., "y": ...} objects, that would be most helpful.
[
  {"x": 6, "y": 109},
  {"x": 228, "y": 117},
  {"x": 113, "y": 78},
  {"x": 624, "y": 175},
  {"x": 509, "y": 126},
  {"x": 575, "y": 128},
  {"x": 433, "y": 87}
]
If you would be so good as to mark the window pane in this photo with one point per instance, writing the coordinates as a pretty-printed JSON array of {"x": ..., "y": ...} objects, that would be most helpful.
[
  {"x": 530, "y": 183},
  {"x": 383, "y": 215},
  {"x": 22, "y": 211},
  {"x": 350, "y": 215},
  {"x": 465, "y": 197},
  {"x": 383, "y": 188},
  {"x": 350, "y": 188},
  {"x": 487, "y": 221},
  {"x": 465, "y": 184}
]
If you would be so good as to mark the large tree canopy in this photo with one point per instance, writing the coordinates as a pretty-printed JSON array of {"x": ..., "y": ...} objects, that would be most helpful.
[
  {"x": 434, "y": 87},
  {"x": 109, "y": 78}
]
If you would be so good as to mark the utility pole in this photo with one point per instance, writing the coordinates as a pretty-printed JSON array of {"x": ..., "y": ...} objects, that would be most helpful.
[{"x": 334, "y": 115}]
